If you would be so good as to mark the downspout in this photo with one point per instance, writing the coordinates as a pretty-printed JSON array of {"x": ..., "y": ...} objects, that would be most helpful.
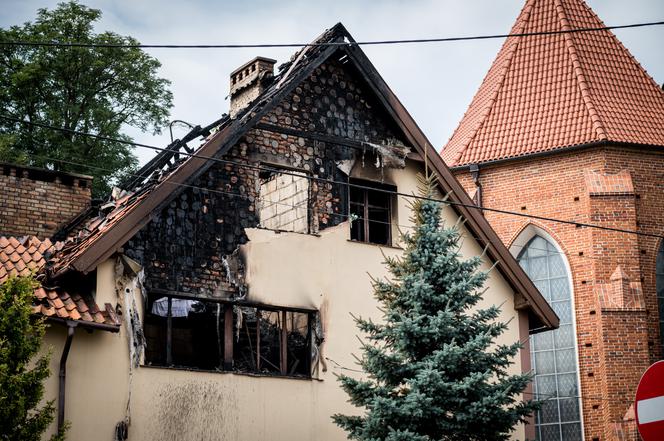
[
  {"x": 63, "y": 375},
  {"x": 474, "y": 170}
]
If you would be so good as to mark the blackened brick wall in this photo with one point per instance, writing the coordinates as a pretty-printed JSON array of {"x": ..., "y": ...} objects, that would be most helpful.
[{"x": 184, "y": 247}]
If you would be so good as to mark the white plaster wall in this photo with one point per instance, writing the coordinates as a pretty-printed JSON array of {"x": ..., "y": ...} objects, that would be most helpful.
[
  {"x": 328, "y": 273},
  {"x": 96, "y": 382}
]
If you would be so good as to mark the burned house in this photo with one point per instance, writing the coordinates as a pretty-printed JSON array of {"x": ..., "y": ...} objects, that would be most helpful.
[{"x": 229, "y": 264}]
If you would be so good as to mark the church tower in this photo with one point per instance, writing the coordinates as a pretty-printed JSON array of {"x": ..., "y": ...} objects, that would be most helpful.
[{"x": 570, "y": 126}]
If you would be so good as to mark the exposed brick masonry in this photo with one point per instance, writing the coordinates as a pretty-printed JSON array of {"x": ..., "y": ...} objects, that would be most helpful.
[
  {"x": 617, "y": 327},
  {"x": 38, "y": 202}
]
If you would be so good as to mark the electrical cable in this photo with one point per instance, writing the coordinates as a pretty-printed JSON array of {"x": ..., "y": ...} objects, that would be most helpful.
[
  {"x": 295, "y": 206},
  {"x": 58, "y": 44},
  {"x": 331, "y": 181},
  {"x": 547, "y": 397}
]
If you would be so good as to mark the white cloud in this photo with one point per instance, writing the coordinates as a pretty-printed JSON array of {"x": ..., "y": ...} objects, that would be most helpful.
[{"x": 435, "y": 81}]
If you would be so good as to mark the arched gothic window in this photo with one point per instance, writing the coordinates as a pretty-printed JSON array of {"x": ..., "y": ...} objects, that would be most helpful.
[
  {"x": 659, "y": 271},
  {"x": 553, "y": 353}
]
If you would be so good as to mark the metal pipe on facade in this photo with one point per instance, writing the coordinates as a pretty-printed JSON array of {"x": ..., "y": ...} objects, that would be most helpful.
[{"x": 63, "y": 375}]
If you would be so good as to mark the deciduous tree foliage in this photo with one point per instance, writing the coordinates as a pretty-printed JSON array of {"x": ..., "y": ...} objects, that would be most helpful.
[
  {"x": 433, "y": 368},
  {"x": 22, "y": 370},
  {"x": 96, "y": 90}
]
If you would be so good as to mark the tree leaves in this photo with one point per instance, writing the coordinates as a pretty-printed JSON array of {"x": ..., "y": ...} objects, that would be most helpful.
[
  {"x": 92, "y": 90},
  {"x": 22, "y": 370}
]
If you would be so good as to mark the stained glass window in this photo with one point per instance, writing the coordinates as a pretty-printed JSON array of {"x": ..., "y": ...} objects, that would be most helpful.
[{"x": 553, "y": 353}]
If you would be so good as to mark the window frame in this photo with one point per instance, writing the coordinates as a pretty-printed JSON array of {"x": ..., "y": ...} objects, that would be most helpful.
[
  {"x": 365, "y": 219},
  {"x": 227, "y": 358},
  {"x": 521, "y": 249}
]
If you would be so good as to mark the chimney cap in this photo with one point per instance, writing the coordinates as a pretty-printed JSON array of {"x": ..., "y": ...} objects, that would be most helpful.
[
  {"x": 250, "y": 62},
  {"x": 41, "y": 174}
]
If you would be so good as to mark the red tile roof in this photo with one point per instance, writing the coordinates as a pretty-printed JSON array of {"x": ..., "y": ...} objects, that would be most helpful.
[
  {"x": 21, "y": 257},
  {"x": 554, "y": 91},
  {"x": 94, "y": 227}
]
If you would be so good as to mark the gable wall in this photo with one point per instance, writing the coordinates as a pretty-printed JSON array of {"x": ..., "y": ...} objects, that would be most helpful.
[{"x": 185, "y": 247}]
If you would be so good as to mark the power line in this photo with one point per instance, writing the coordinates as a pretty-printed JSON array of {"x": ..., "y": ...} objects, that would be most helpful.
[
  {"x": 303, "y": 204},
  {"x": 332, "y": 181},
  {"x": 59, "y": 44}
]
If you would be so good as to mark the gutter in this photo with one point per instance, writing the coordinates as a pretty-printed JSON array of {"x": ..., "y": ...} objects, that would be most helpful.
[
  {"x": 556, "y": 151},
  {"x": 83, "y": 324},
  {"x": 63, "y": 375},
  {"x": 475, "y": 174}
]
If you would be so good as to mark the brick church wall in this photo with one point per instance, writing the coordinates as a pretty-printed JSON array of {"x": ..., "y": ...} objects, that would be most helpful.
[{"x": 615, "y": 345}]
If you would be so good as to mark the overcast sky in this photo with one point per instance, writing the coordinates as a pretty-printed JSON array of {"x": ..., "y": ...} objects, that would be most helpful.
[{"x": 435, "y": 81}]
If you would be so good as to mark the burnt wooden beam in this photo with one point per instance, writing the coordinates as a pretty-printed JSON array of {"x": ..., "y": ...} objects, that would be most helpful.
[
  {"x": 169, "y": 333},
  {"x": 228, "y": 337},
  {"x": 284, "y": 343},
  {"x": 258, "y": 341}
]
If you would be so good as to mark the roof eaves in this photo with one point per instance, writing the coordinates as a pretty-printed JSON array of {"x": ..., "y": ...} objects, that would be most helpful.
[{"x": 560, "y": 150}]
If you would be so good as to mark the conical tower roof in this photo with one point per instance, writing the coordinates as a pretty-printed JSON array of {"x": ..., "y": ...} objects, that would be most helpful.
[{"x": 549, "y": 92}]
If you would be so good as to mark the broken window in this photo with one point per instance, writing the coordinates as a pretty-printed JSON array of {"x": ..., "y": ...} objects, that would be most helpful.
[
  {"x": 272, "y": 341},
  {"x": 185, "y": 333},
  {"x": 284, "y": 201},
  {"x": 222, "y": 336},
  {"x": 371, "y": 212}
]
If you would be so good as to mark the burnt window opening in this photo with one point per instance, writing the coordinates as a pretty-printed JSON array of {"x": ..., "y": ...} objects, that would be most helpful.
[
  {"x": 273, "y": 341},
  {"x": 185, "y": 333},
  {"x": 371, "y": 212},
  {"x": 283, "y": 201},
  {"x": 210, "y": 335}
]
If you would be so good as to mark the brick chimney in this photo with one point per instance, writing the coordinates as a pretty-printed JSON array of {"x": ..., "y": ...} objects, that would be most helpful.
[
  {"x": 247, "y": 82},
  {"x": 35, "y": 201}
]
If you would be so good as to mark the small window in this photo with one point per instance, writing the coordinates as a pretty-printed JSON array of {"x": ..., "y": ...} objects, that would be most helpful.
[
  {"x": 211, "y": 335},
  {"x": 371, "y": 213}
]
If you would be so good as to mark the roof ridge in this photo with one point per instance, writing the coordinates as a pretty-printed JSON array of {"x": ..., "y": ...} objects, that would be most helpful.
[
  {"x": 627, "y": 52},
  {"x": 584, "y": 87},
  {"x": 514, "y": 41}
]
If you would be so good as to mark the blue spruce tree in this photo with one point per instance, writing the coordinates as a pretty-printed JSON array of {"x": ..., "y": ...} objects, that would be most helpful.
[{"x": 433, "y": 370}]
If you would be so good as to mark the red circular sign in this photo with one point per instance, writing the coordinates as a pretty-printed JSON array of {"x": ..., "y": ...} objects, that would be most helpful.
[{"x": 649, "y": 405}]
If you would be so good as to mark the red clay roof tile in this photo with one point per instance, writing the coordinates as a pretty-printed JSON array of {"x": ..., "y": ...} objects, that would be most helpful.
[
  {"x": 21, "y": 256},
  {"x": 554, "y": 91}
]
